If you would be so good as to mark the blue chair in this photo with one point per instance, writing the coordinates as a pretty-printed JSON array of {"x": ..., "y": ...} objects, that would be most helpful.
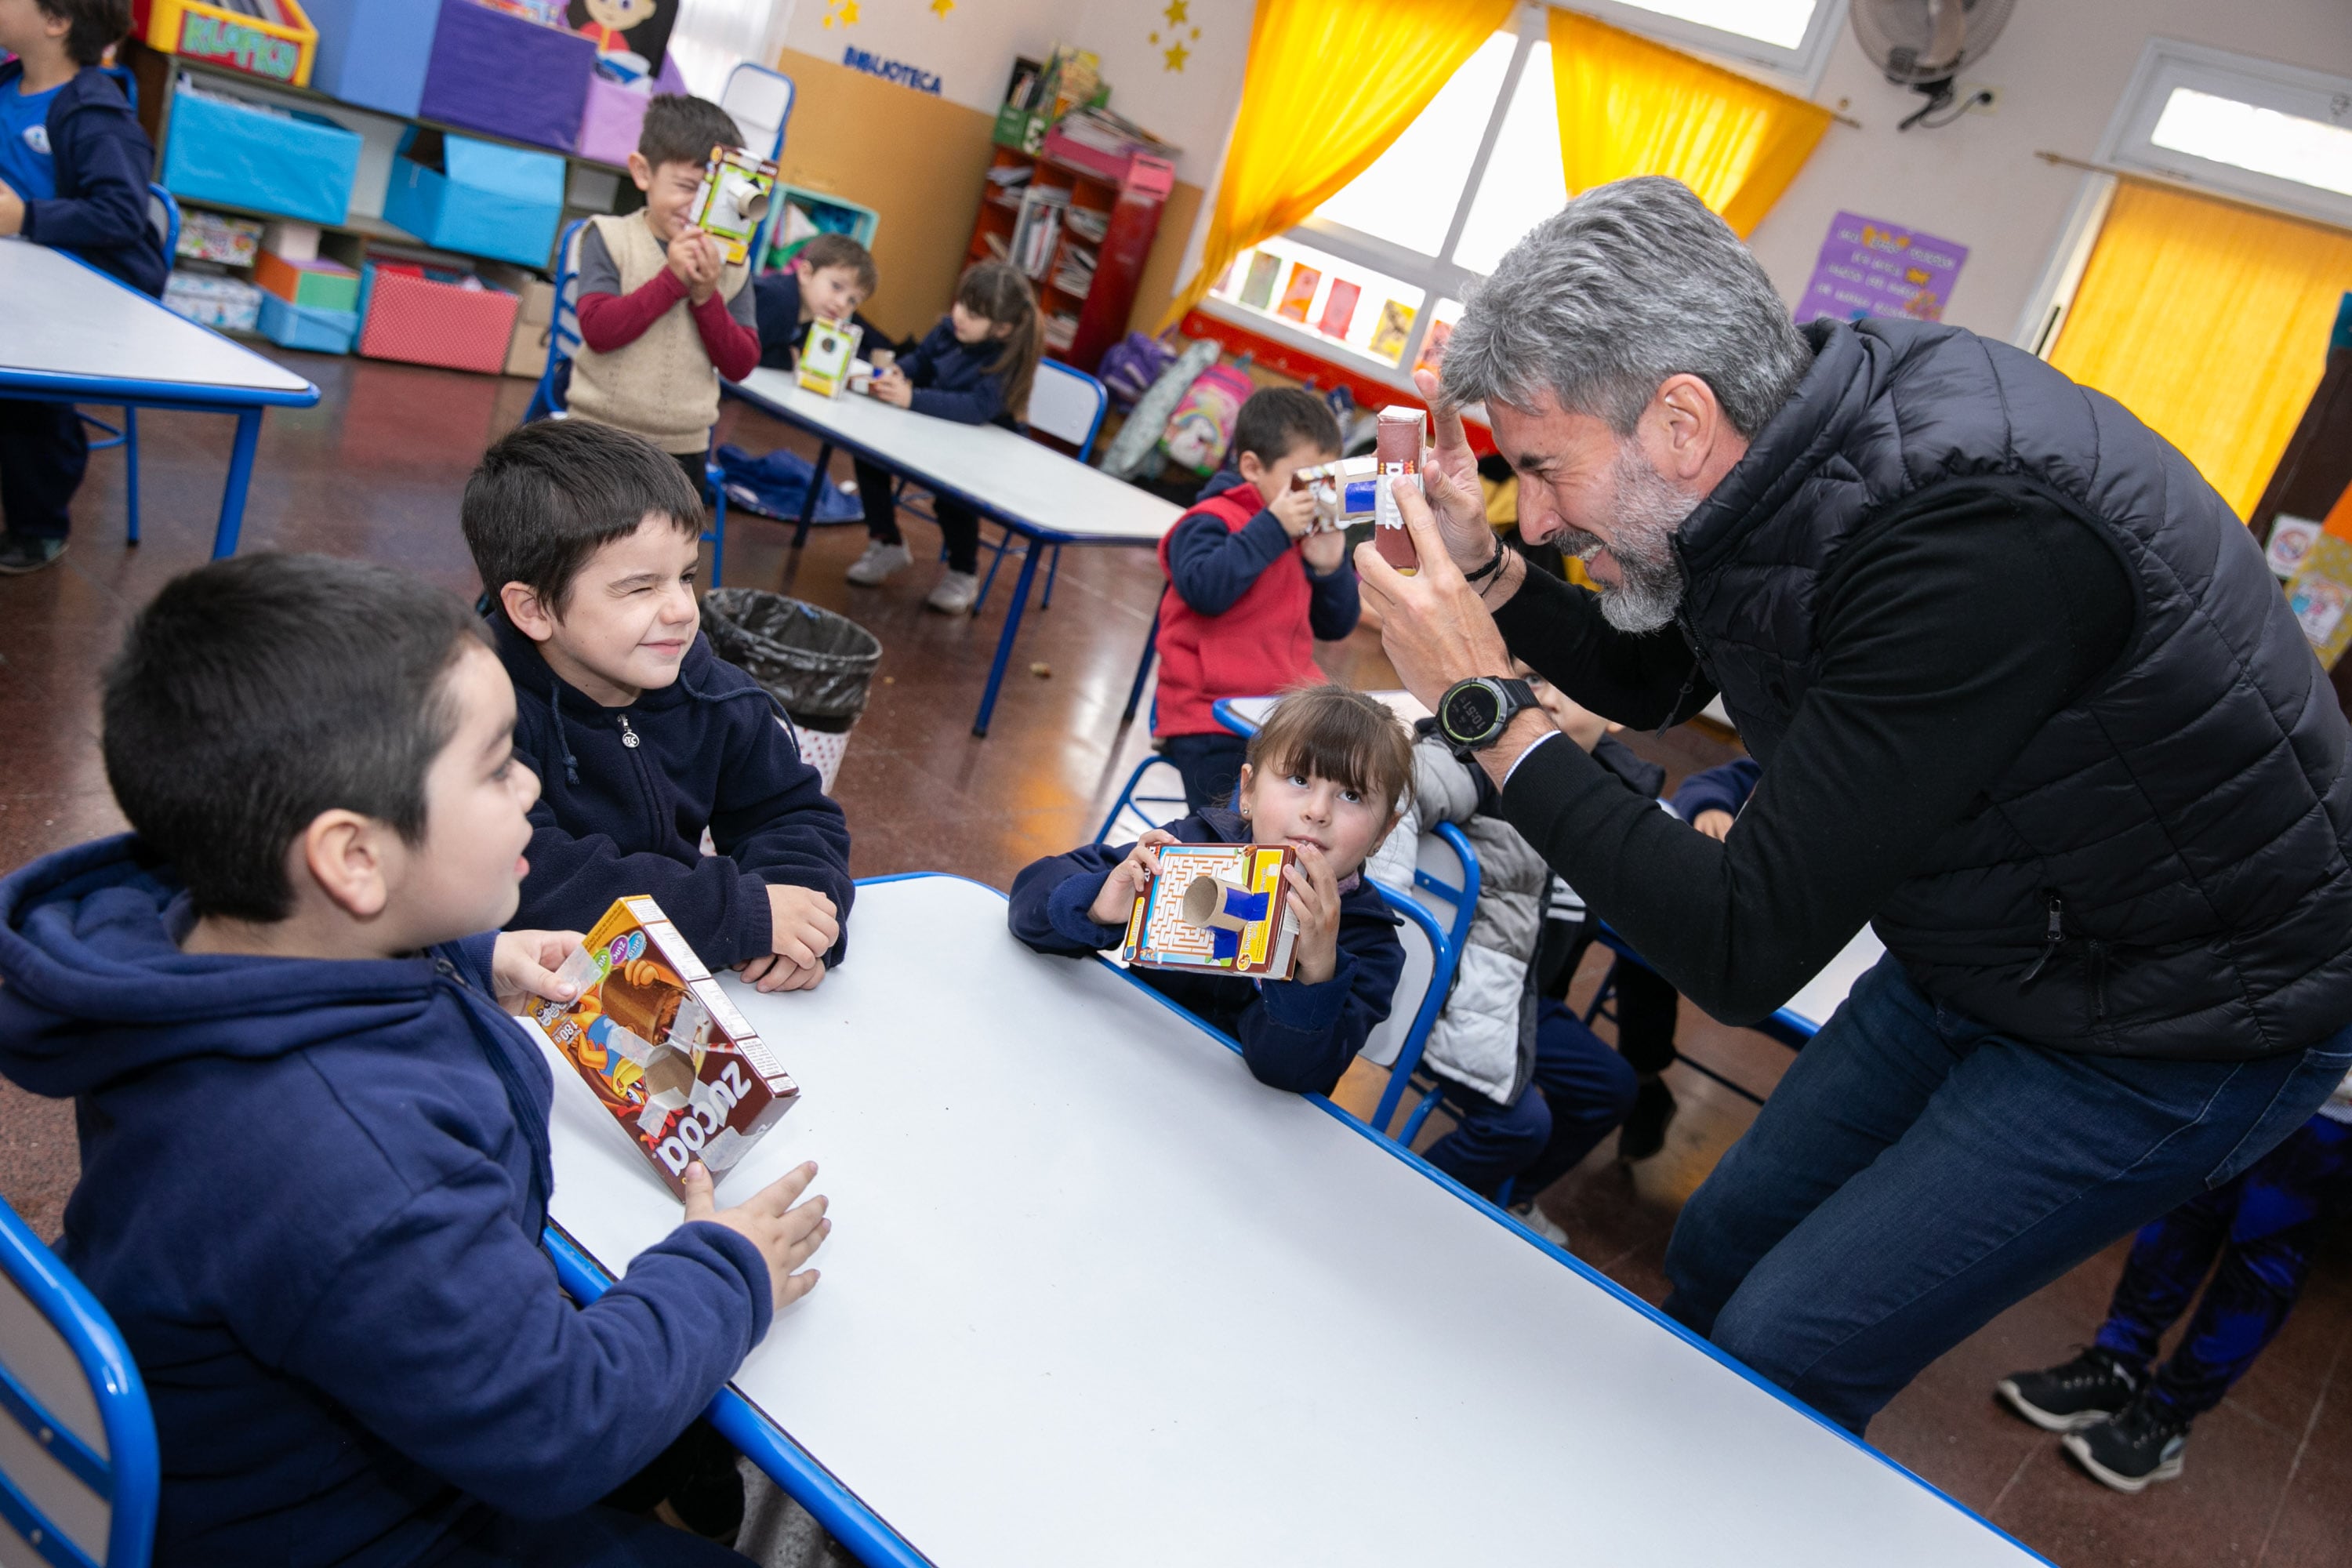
[
  {"x": 79, "y": 1476},
  {"x": 1444, "y": 898},
  {"x": 548, "y": 398},
  {"x": 1152, "y": 797},
  {"x": 163, "y": 213},
  {"x": 1068, "y": 404}
]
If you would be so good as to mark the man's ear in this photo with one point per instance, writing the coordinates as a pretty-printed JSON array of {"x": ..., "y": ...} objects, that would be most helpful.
[
  {"x": 528, "y": 611},
  {"x": 343, "y": 855},
  {"x": 641, "y": 171},
  {"x": 1685, "y": 424}
]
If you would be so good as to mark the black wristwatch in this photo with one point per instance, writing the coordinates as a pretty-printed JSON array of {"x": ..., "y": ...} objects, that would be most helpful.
[{"x": 1473, "y": 713}]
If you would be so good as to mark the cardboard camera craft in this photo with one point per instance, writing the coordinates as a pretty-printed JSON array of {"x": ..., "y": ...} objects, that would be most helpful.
[
  {"x": 1223, "y": 908},
  {"x": 1397, "y": 443},
  {"x": 733, "y": 200},
  {"x": 680, "y": 1068},
  {"x": 1346, "y": 492},
  {"x": 826, "y": 355}
]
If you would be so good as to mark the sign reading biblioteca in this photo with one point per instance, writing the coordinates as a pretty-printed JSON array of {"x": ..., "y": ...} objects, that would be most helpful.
[{"x": 1871, "y": 268}]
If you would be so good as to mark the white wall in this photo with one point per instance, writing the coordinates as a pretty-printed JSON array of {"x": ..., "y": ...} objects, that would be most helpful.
[{"x": 2061, "y": 66}]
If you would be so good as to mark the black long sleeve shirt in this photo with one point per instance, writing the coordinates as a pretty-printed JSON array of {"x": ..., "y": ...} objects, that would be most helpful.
[{"x": 1948, "y": 633}]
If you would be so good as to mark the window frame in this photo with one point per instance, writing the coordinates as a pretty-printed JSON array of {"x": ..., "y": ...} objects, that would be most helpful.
[
  {"x": 1440, "y": 278},
  {"x": 2168, "y": 63}
]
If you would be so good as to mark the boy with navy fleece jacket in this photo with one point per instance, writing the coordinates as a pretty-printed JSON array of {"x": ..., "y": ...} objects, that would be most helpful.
[
  {"x": 1251, "y": 588},
  {"x": 315, "y": 1164},
  {"x": 586, "y": 538},
  {"x": 1326, "y": 774},
  {"x": 73, "y": 167}
]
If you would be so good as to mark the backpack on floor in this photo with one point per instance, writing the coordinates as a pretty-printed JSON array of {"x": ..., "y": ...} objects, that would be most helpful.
[{"x": 1202, "y": 426}]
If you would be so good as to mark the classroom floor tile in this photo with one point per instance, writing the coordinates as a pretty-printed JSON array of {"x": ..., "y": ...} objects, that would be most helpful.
[{"x": 376, "y": 469}]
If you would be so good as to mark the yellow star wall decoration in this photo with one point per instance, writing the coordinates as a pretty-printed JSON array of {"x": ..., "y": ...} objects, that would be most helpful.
[
  {"x": 1180, "y": 31},
  {"x": 842, "y": 11},
  {"x": 940, "y": 8},
  {"x": 1178, "y": 13}
]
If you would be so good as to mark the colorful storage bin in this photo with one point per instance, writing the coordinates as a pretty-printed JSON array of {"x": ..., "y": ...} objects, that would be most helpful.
[
  {"x": 410, "y": 313},
  {"x": 611, "y": 118},
  {"x": 307, "y": 327},
  {"x": 476, "y": 197},
  {"x": 505, "y": 77},
  {"x": 279, "y": 51},
  {"x": 315, "y": 284},
  {"x": 217, "y": 237},
  {"x": 230, "y": 304},
  {"x": 374, "y": 51},
  {"x": 274, "y": 161}
]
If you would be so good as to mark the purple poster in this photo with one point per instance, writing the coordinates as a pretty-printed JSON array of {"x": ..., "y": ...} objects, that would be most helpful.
[{"x": 1873, "y": 268}]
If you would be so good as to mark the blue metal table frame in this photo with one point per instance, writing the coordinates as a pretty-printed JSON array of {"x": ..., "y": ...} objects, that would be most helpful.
[
  {"x": 1037, "y": 533},
  {"x": 246, "y": 402}
]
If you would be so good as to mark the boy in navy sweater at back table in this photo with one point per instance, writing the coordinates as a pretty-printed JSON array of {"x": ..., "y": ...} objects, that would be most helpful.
[
  {"x": 74, "y": 166},
  {"x": 315, "y": 1164},
  {"x": 1251, "y": 587},
  {"x": 1326, "y": 773},
  {"x": 586, "y": 539}
]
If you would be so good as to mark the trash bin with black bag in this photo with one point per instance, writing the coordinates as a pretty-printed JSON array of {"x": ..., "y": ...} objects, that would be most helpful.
[{"x": 818, "y": 665}]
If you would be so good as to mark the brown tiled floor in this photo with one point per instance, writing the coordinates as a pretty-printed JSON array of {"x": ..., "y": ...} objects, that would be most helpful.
[{"x": 376, "y": 469}]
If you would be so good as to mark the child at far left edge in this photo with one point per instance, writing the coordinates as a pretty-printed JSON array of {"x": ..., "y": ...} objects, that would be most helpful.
[
  {"x": 73, "y": 174},
  {"x": 587, "y": 541}
]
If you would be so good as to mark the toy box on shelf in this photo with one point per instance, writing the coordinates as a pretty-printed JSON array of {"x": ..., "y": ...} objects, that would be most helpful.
[
  {"x": 425, "y": 313},
  {"x": 374, "y": 52},
  {"x": 229, "y": 304},
  {"x": 804, "y": 213},
  {"x": 246, "y": 154},
  {"x": 218, "y": 236},
  {"x": 478, "y": 197},
  {"x": 503, "y": 76},
  {"x": 310, "y": 327},
  {"x": 313, "y": 282},
  {"x": 270, "y": 38}
]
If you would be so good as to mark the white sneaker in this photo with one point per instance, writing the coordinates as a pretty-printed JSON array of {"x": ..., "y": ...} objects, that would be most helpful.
[
  {"x": 873, "y": 568},
  {"x": 955, "y": 593},
  {"x": 1542, "y": 1223}
]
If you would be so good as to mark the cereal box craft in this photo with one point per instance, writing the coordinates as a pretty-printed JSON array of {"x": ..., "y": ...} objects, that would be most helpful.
[
  {"x": 1217, "y": 907},
  {"x": 650, "y": 1032}
]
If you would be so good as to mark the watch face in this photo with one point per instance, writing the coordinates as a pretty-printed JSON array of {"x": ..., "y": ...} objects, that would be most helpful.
[{"x": 1471, "y": 712}]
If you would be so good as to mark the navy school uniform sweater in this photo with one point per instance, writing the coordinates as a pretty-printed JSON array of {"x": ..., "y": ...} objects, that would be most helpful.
[
  {"x": 776, "y": 299},
  {"x": 1723, "y": 788},
  {"x": 311, "y": 1197},
  {"x": 1294, "y": 1036},
  {"x": 952, "y": 380},
  {"x": 625, "y": 793},
  {"x": 103, "y": 162}
]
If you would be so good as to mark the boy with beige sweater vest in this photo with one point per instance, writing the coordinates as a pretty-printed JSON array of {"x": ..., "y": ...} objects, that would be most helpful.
[{"x": 662, "y": 318}]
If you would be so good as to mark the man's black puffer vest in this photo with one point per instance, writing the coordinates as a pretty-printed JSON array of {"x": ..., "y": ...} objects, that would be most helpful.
[{"x": 2163, "y": 871}]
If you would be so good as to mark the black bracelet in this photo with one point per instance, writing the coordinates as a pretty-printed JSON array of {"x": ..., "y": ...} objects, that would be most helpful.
[{"x": 1494, "y": 564}]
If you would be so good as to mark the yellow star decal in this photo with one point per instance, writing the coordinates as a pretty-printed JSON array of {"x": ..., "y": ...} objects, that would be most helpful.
[
  {"x": 1176, "y": 55},
  {"x": 940, "y": 8},
  {"x": 842, "y": 11},
  {"x": 1178, "y": 12}
]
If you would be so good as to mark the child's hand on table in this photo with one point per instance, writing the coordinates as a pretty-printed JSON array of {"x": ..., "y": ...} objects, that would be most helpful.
[
  {"x": 1315, "y": 900},
  {"x": 523, "y": 965},
  {"x": 785, "y": 1234},
  {"x": 1295, "y": 509},
  {"x": 892, "y": 386},
  {"x": 1128, "y": 880},
  {"x": 1324, "y": 552},
  {"x": 803, "y": 926},
  {"x": 1713, "y": 822}
]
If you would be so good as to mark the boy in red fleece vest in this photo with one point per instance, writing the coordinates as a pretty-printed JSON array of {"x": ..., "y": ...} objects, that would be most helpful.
[{"x": 1251, "y": 588}]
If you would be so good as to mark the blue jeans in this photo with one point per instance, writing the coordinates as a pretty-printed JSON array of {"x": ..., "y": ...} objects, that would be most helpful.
[
  {"x": 1578, "y": 1093},
  {"x": 1916, "y": 1172}
]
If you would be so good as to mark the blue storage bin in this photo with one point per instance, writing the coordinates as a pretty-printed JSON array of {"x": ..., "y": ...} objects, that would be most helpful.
[
  {"x": 374, "y": 51},
  {"x": 307, "y": 327},
  {"x": 296, "y": 165},
  {"x": 476, "y": 197}
]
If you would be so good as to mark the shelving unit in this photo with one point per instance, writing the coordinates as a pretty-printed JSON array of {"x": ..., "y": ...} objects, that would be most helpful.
[{"x": 1096, "y": 219}]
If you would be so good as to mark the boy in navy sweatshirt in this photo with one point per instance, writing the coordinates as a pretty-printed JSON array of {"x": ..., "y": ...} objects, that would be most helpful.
[
  {"x": 1326, "y": 773},
  {"x": 314, "y": 1146},
  {"x": 1250, "y": 588},
  {"x": 586, "y": 538},
  {"x": 73, "y": 173}
]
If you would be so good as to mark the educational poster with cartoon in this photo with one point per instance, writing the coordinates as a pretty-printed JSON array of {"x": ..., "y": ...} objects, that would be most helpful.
[
  {"x": 1868, "y": 267},
  {"x": 1223, "y": 907},
  {"x": 638, "y": 27}
]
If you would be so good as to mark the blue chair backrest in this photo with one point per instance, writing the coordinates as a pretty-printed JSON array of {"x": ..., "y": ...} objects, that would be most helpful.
[
  {"x": 79, "y": 1472},
  {"x": 163, "y": 213},
  {"x": 562, "y": 326},
  {"x": 1153, "y": 797},
  {"x": 1440, "y": 904},
  {"x": 1068, "y": 403},
  {"x": 760, "y": 102}
]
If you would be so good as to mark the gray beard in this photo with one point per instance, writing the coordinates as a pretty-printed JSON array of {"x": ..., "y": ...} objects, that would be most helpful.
[{"x": 1648, "y": 510}]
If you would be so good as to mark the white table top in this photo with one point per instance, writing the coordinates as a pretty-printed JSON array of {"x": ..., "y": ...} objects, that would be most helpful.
[
  {"x": 63, "y": 319},
  {"x": 1006, "y": 475},
  {"x": 1812, "y": 1005},
  {"x": 1095, "y": 1296}
]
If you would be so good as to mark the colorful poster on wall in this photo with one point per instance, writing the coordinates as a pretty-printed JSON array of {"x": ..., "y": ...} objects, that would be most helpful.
[
  {"x": 1299, "y": 295},
  {"x": 1339, "y": 308},
  {"x": 1871, "y": 268},
  {"x": 1396, "y": 325},
  {"x": 1257, "y": 284}
]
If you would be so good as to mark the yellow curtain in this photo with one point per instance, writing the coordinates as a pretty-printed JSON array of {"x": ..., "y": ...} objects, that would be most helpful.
[
  {"x": 2209, "y": 320},
  {"x": 1628, "y": 105},
  {"x": 1330, "y": 85}
]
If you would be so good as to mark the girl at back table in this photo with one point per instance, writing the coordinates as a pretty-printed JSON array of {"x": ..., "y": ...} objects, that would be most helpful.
[{"x": 975, "y": 367}]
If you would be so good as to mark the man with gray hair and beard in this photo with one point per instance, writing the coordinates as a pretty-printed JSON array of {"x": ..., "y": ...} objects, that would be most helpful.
[{"x": 2027, "y": 700}]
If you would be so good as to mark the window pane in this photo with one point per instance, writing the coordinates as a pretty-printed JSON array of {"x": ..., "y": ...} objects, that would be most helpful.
[
  {"x": 2284, "y": 147},
  {"x": 1781, "y": 23},
  {"x": 1523, "y": 183},
  {"x": 1407, "y": 196},
  {"x": 1323, "y": 296}
]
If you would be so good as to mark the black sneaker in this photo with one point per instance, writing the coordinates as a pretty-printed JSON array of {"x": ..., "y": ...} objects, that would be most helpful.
[
  {"x": 2141, "y": 1444},
  {"x": 1643, "y": 1132},
  {"x": 2090, "y": 1388},
  {"x": 21, "y": 552}
]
